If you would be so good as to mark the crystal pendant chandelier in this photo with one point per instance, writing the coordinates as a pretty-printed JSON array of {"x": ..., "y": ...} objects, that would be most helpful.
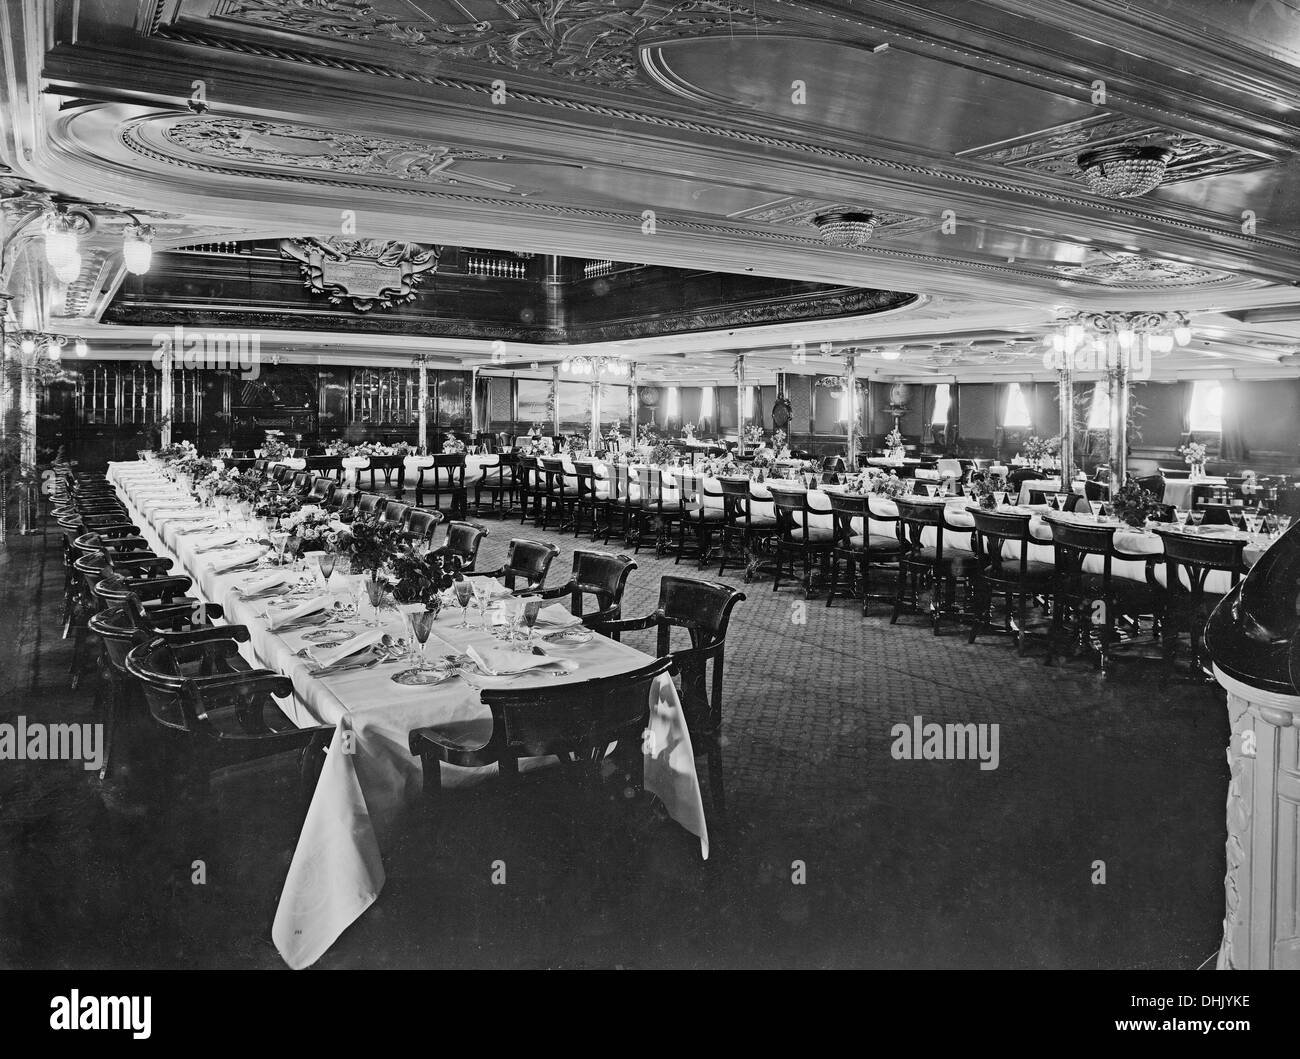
[
  {"x": 1124, "y": 172},
  {"x": 137, "y": 248},
  {"x": 845, "y": 229}
]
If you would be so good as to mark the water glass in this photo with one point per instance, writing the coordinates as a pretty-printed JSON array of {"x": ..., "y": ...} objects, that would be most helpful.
[
  {"x": 325, "y": 562},
  {"x": 464, "y": 590}
]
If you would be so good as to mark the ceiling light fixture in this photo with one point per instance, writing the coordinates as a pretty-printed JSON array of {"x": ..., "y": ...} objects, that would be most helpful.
[
  {"x": 137, "y": 247},
  {"x": 1124, "y": 172},
  {"x": 594, "y": 366},
  {"x": 845, "y": 229}
]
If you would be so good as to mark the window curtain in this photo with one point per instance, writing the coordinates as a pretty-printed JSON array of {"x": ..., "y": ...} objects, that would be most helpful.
[
  {"x": 1185, "y": 406},
  {"x": 927, "y": 414},
  {"x": 1232, "y": 440}
]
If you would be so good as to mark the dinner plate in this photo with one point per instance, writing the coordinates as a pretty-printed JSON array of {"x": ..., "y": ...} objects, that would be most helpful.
[
  {"x": 333, "y": 636},
  {"x": 570, "y": 637},
  {"x": 422, "y": 678}
]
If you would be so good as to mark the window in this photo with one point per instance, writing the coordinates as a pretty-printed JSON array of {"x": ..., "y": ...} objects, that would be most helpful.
[
  {"x": 1017, "y": 413},
  {"x": 942, "y": 402},
  {"x": 671, "y": 407},
  {"x": 1206, "y": 413},
  {"x": 706, "y": 403},
  {"x": 1099, "y": 413}
]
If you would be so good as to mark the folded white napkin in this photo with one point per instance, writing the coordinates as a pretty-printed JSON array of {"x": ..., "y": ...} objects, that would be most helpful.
[
  {"x": 237, "y": 558},
  {"x": 499, "y": 589},
  {"x": 556, "y": 617},
  {"x": 265, "y": 583},
  {"x": 334, "y": 655},
  {"x": 224, "y": 541},
  {"x": 299, "y": 611},
  {"x": 498, "y": 662}
]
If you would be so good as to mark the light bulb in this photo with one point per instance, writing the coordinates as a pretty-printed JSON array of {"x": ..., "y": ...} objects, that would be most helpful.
[
  {"x": 1182, "y": 335},
  {"x": 1125, "y": 338},
  {"x": 28, "y": 346},
  {"x": 60, "y": 244},
  {"x": 137, "y": 251},
  {"x": 82, "y": 348},
  {"x": 565, "y": 364},
  {"x": 890, "y": 354},
  {"x": 1058, "y": 342},
  {"x": 68, "y": 269}
]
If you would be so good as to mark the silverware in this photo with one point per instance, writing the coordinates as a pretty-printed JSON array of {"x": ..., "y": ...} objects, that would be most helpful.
[
  {"x": 341, "y": 668},
  {"x": 308, "y": 622}
]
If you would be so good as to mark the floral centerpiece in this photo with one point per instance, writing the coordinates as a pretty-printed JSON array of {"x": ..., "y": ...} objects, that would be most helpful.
[
  {"x": 274, "y": 449},
  {"x": 536, "y": 445},
  {"x": 984, "y": 484},
  {"x": 309, "y": 529},
  {"x": 894, "y": 443},
  {"x": 423, "y": 578},
  {"x": 721, "y": 466},
  {"x": 754, "y": 435},
  {"x": 368, "y": 546},
  {"x": 453, "y": 446},
  {"x": 574, "y": 445},
  {"x": 688, "y": 431},
  {"x": 878, "y": 482},
  {"x": 1133, "y": 505},
  {"x": 1038, "y": 449},
  {"x": 763, "y": 459},
  {"x": 273, "y": 503},
  {"x": 1194, "y": 454},
  {"x": 240, "y": 488}
]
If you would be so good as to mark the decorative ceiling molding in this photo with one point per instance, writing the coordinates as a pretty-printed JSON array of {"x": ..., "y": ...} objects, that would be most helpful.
[
  {"x": 1053, "y": 152},
  {"x": 295, "y": 146},
  {"x": 799, "y": 211},
  {"x": 1125, "y": 269},
  {"x": 592, "y": 41},
  {"x": 734, "y": 134},
  {"x": 365, "y": 273}
]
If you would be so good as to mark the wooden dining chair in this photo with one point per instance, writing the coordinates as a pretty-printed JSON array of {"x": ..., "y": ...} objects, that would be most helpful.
[
  {"x": 499, "y": 482},
  {"x": 703, "y": 609},
  {"x": 461, "y": 543},
  {"x": 699, "y": 519},
  {"x": 575, "y": 722},
  {"x": 940, "y": 565},
  {"x": 742, "y": 529},
  {"x": 857, "y": 546},
  {"x": 1019, "y": 580},
  {"x": 368, "y": 505},
  {"x": 526, "y": 560},
  {"x": 797, "y": 539},
  {"x": 597, "y": 574},
  {"x": 421, "y": 525},
  {"x": 320, "y": 492},
  {"x": 1192, "y": 558}
]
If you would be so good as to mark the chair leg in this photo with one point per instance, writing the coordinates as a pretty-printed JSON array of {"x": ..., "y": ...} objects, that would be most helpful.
[
  {"x": 1022, "y": 610},
  {"x": 832, "y": 581}
]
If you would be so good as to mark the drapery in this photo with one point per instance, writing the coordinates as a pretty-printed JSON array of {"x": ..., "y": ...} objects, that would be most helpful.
[
  {"x": 1232, "y": 439},
  {"x": 1185, "y": 402}
]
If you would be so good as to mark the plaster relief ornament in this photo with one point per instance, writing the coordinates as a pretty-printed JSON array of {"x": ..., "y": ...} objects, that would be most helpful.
[
  {"x": 586, "y": 40},
  {"x": 368, "y": 273}
]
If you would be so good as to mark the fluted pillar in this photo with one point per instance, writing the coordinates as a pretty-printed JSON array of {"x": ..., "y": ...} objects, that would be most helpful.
[
  {"x": 1065, "y": 407},
  {"x": 422, "y": 375},
  {"x": 851, "y": 380},
  {"x": 633, "y": 404},
  {"x": 740, "y": 402},
  {"x": 166, "y": 396}
]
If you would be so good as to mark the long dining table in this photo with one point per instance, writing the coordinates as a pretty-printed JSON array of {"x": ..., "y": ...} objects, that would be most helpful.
[{"x": 370, "y": 776}]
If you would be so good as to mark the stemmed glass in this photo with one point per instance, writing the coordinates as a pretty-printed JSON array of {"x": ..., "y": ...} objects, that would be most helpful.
[
  {"x": 1001, "y": 497},
  {"x": 1237, "y": 516},
  {"x": 1195, "y": 518},
  {"x": 279, "y": 539},
  {"x": 375, "y": 588},
  {"x": 532, "y": 607},
  {"x": 464, "y": 590},
  {"x": 1181, "y": 515},
  {"x": 1281, "y": 523},
  {"x": 482, "y": 596},
  {"x": 420, "y": 623},
  {"x": 1060, "y": 499},
  {"x": 1252, "y": 524},
  {"x": 1096, "y": 506},
  {"x": 325, "y": 561}
]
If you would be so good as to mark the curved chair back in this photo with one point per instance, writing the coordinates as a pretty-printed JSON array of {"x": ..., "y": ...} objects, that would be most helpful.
[
  {"x": 601, "y": 575},
  {"x": 529, "y": 561},
  {"x": 368, "y": 505},
  {"x": 394, "y": 513},
  {"x": 421, "y": 524},
  {"x": 321, "y": 490},
  {"x": 462, "y": 542}
]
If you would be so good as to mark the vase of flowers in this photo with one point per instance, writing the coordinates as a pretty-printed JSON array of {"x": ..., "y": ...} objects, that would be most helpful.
[
  {"x": 894, "y": 443},
  {"x": 1133, "y": 505},
  {"x": 309, "y": 529},
  {"x": 1194, "y": 454},
  {"x": 984, "y": 487},
  {"x": 423, "y": 578}
]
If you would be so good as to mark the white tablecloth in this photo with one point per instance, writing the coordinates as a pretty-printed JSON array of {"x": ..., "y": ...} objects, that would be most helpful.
[
  {"x": 1178, "y": 491},
  {"x": 337, "y": 870}
]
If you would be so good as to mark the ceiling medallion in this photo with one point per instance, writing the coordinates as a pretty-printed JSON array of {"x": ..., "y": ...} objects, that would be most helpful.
[
  {"x": 845, "y": 229},
  {"x": 1124, "y": 172},
  {"x": 368, "y": 273}
]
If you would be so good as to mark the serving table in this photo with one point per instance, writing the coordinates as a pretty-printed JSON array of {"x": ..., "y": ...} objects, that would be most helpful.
[{"x": 370, "y": 775}]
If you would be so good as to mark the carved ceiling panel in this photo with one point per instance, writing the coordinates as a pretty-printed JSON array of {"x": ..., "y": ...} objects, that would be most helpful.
[
  {"x": 1126, "y": 269},
  {"x": 583, "y": 40},
  {"x": 796, "y": 212}
]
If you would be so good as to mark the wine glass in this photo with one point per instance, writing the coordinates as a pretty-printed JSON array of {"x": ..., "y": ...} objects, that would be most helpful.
[
  {"x": 1181, "y": 515},
  {"x": 464, "y": 590},
  {"x": 375, "y": 593},
  {"x": 325, "y": 562},
  {"x": 419, "y": 622},
  {"x": 1000, "y": 496},
  {"x": 1237, "y": 516},
  {"x": 1252, "y": 524},
  {"x": 482, "y": 596},
  {"x": 532, "y": 607},
  {"x": 1195, "y": 518},
  {"x": 279, "y": 538},
  {"x": 1059, "y": 499},
  {"x": 1282, "y": 523}
]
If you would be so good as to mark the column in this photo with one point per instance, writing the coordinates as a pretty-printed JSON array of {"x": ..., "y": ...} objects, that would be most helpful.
[
  {"x": 1065, "y": 406},
  {"x": 633, "y": 404},
  {"x": 851, "y": 380},
  {"x": 595, "y": 412},
  {"x": 474, "y": 425},
  {"x": 166, "y": 395},
  {"x": 741, "y": 410},
  {"x": 422, "y": 372},
  {"x": 555, "y": 401},
  {"x": 1117, "y": 383}
]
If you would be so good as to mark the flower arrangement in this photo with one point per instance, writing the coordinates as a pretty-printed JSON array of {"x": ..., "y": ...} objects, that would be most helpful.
[
  {"x": 877, "y": 482},
  {"x": 338, "y": 447},
  {"x": 275, "y": 449},
  {"x": 721, "y": 466},
  {"x": 196, "y": 466},
  {"x": 242, "y": 489},
  {"x": 1193, "y": 453},
  {"x": 369, "y": 546},
  {"x": 763, "y": 459},
  {"x": 1133, "y": 505},
  {"x": 309, "y": 529},
  {"x": 423, "y": 578},
  {"x": 1036, "y": 448},
  {"x": 894, "y": 440},
  {"x": 754, "y": 434},
  {"x": 688, "y": 430},
  {"x": 983, "y": 485},
  {"x": 536, "y": 445},
  {"x": 273, "y": 503},
  {"x": 452, "y": 445},
  {"x": 574, "y": 445},
  {"x": 779, "y": 439}
]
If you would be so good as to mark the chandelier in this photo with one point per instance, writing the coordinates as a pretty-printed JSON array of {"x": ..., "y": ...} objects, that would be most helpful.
[
  {"x": 63, "y": 228},
  {"x": 1082, "y": 340},
  {"x": 137, "y": 247},
  {"x": 36, "y": 351},
  {"x": 1124, "y": 172},
  {"x": 845, "y": 229},
  {"x": 594, "y": 366}
]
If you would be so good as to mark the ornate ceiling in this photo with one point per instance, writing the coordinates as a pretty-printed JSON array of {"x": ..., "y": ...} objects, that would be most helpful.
[{"x": 701, "y": 135}]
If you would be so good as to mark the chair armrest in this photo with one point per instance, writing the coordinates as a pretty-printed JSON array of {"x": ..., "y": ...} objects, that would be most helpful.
[
  {"x": 498, "y": 572},
  {"x": 650, "y": 621},
  {"x": 160, "y": 587},
  {"x": 207, "y": 634},
  {"x": 158, "y": 563},
  {"x": 565, "y": 589}
]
